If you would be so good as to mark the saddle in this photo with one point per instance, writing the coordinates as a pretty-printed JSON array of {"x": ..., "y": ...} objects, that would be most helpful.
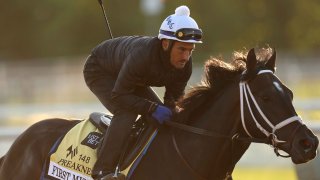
[{"x": 139, "y": 136}]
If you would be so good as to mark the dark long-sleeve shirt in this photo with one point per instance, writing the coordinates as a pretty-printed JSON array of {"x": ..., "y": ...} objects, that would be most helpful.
[{"x": 139, "y": 61}]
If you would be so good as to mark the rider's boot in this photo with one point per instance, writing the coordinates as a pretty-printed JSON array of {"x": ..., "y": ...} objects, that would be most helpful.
[{"x": 112, "y": 146}]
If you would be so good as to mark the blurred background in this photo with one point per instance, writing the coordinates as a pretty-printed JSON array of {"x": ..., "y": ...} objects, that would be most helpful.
[{"x": 44, "y": 45}]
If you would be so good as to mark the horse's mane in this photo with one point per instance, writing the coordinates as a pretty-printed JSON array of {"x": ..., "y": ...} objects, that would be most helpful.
[{"x": 217, "y": 74}]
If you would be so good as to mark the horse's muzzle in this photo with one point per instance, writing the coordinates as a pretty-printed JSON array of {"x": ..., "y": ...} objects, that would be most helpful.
[{"x": 304, "y": 146}]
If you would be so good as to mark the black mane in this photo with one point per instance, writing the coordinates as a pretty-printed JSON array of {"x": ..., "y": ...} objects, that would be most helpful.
[{"x": 218, "y": 74}]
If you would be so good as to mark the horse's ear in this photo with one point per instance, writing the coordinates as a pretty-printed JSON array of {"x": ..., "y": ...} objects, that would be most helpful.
[
  {"x": 251, "y": 60},
  {"x": 271, "y": 63}
]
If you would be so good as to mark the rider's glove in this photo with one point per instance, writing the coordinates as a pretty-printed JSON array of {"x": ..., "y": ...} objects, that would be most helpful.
[{"x": 162, "y": 114}]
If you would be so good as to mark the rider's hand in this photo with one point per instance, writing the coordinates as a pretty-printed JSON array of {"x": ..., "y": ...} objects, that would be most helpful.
[{"x": 162, "y": 114}]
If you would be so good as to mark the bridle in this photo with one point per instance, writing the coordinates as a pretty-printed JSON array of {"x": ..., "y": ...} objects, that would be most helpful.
[
  {"x": 271, "y": 137},
  {"x": 245, "y": 94}
]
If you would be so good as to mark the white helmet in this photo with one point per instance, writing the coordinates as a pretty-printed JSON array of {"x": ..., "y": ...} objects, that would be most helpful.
[{"x": 180, "y": 27}]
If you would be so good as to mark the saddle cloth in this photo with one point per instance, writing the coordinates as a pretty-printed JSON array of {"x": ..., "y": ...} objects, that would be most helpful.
[
  {"x": 76, "y": 154},
  {"x": 73, "y": 156}
]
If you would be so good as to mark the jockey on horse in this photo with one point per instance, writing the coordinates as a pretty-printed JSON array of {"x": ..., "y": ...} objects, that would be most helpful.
[{"x": 120, "y": 72}]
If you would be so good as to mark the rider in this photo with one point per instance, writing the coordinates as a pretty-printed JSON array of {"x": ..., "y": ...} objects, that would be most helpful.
[{"x": 120, "y": 72}]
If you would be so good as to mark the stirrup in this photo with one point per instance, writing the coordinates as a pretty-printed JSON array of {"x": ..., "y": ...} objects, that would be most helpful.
[{"x": 116, "y": 175}]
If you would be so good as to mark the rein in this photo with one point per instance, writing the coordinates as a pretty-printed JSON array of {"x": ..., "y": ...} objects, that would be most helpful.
[
  {"x": 204, "y": 132},
  {"x": 195, "y": 130},
  {"x": 270, "y": 138}
]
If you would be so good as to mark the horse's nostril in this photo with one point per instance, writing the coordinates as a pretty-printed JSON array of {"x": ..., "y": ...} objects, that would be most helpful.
[{"x": 306, "y": 145}]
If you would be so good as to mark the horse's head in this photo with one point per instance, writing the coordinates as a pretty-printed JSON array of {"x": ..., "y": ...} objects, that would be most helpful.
[{"x": 267, "y": 111}]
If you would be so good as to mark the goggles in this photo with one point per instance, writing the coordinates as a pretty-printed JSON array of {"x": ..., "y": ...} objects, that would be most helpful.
[{"x": 184, "y": 34}]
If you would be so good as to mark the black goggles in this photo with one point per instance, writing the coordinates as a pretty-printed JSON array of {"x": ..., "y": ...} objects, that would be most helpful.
[{"x": 185, "y": 34}]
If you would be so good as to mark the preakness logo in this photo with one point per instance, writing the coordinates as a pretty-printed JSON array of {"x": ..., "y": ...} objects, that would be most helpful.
[{"x": 72, "y": 152}]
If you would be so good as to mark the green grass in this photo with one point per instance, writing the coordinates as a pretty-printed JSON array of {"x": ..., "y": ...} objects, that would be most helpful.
[
  {"x": 307, "y": 89},
  {"x": 265, "y": 173},
  {"x": 309, "y": 115}
]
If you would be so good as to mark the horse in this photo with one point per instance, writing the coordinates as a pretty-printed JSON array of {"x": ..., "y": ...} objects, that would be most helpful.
[{"x": 238, "y": 103}]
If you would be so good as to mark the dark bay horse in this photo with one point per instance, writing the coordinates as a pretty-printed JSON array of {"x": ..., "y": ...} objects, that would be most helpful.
[{"x": 238, "y": 103}]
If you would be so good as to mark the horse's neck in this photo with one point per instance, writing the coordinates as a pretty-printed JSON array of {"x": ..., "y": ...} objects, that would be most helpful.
[
  {"x": 222, "y": 111},
  {"x": 206, "y": 155}
]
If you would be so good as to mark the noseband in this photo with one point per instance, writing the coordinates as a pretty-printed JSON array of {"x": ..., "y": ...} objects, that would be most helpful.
[{"x": 245, "y": 95}]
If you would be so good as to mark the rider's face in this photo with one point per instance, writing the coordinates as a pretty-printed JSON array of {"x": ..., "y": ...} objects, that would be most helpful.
[{"x": 180, "y": 53}]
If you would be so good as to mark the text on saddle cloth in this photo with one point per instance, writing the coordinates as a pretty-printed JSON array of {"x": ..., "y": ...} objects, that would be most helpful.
[{"x": 76, "y": 154}]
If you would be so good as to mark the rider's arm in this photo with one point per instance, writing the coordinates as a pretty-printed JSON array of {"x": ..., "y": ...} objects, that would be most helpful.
[{"x": 129, "y": 77}]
